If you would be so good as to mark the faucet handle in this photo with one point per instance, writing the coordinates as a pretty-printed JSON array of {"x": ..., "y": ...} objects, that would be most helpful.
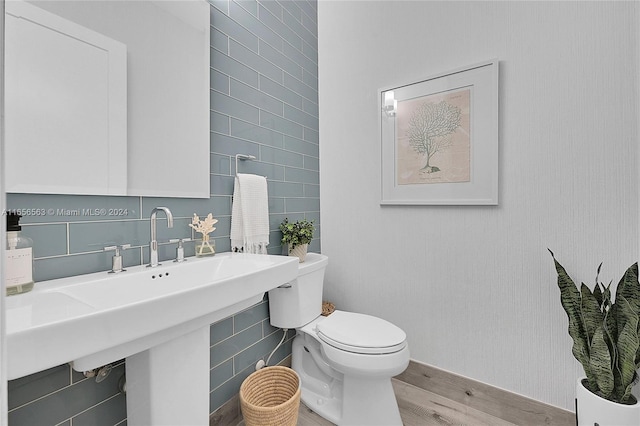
[
  {"x": 180, "y": 248},
  {"x": 116, "y": 260},
  {"x": 180, "y": 240},
  {"x": 117, "y": 248}
]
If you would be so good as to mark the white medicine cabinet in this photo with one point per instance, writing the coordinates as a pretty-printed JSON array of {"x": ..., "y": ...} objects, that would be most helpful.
[
  {"x": 65, "y": 103},
  {"x": 107, "y": 97}
]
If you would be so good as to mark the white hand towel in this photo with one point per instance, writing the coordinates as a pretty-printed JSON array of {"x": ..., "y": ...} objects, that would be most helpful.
[{"x": 250, "y": 214}]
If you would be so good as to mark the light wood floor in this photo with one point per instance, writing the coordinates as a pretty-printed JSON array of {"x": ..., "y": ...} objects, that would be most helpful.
[
  {"x": 418, "y": 407},
  {"x": 429, "y": 396}
]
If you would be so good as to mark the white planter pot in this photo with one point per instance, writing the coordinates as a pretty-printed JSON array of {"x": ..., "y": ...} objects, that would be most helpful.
[
  {"x": 300, "y": 251},
  {"x": 592, "y": 410}
]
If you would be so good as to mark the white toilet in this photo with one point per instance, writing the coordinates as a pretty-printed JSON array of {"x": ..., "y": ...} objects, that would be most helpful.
[{"x": 346, "y": 360}]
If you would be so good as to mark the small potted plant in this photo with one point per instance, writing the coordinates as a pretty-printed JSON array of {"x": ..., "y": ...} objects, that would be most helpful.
[
  {"x": 297, "y": 236},
  {"x": 606, "y": 342}
]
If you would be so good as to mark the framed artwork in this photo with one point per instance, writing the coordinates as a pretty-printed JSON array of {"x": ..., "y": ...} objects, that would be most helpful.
[{"x": 439, "y": 139}]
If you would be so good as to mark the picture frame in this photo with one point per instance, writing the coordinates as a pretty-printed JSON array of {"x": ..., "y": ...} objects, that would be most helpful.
[{"x": 439, "y": 139}]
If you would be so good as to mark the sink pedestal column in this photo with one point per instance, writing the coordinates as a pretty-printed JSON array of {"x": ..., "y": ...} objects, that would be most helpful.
[{"x": 169, "y": 383}]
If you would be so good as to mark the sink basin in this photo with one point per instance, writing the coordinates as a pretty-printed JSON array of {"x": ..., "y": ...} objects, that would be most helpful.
[{"x": 96, "y": 319}]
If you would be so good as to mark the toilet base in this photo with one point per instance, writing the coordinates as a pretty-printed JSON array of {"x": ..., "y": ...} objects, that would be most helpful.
[
  {"x": 370, "y": 402},
  {"x": 343, "y": 400}
]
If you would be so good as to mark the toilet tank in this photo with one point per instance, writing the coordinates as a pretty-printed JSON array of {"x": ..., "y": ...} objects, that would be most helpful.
[{"x": 300, "y": 301}]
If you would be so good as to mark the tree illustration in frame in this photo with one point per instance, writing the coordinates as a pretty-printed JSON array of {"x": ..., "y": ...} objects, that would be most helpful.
[{"x": 433, "y": 143}]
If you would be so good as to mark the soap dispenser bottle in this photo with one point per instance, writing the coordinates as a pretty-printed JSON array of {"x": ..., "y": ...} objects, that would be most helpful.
[{"x": 18, "y": 267}]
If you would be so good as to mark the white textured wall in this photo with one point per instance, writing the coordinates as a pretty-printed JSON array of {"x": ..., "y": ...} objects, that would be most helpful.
[{"x": 474, "y": 287}]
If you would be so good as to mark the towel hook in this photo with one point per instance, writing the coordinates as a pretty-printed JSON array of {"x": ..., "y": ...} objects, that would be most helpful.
[{"x": 243, "y": 157}]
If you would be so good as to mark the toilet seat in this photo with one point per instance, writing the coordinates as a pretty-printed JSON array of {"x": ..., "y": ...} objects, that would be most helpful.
[{"x": 360, "y": 333}]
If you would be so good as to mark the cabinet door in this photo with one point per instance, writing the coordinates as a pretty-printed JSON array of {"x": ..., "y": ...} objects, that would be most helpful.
[{"x": 65, "y": 106}]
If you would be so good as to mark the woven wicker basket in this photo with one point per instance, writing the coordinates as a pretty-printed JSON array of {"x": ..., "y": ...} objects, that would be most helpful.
[{"x": 271, "y": 397}]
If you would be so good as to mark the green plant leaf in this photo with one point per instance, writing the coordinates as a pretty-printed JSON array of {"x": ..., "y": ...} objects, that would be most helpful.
[
  {"x": 629, "y": 288},
  {"x": 611, "y": 335},
  {"x": 600, "y": 363},
  {"x": 628, "y": 342},
  {"x": 597, "y": 293},
  {"x": 296, "y": 233},
  {"x": 591, "y": 314},
  {"x": 570, "y": 299},
  {"x": 606, "y": 297}
]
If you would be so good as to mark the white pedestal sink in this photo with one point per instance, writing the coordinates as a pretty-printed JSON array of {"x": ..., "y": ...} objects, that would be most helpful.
[
  {"x": 156, "y": 318},
  {"x": 169, "y": 383}
]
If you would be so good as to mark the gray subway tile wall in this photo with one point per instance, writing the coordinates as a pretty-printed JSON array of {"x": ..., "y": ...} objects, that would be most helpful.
[
  {"x": 264, "y": 102},
  {"x": 66, "y": 403}
]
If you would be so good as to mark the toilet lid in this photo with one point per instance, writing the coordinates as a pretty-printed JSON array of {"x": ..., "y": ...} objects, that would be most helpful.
[{"x": 361, "y": 333}]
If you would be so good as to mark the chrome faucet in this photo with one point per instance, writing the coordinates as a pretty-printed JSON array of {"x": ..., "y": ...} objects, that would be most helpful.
[{"x": 153, "y": 244}]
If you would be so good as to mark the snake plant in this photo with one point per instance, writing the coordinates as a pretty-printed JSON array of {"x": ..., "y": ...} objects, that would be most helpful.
[{"x": 605, "y": 333}]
